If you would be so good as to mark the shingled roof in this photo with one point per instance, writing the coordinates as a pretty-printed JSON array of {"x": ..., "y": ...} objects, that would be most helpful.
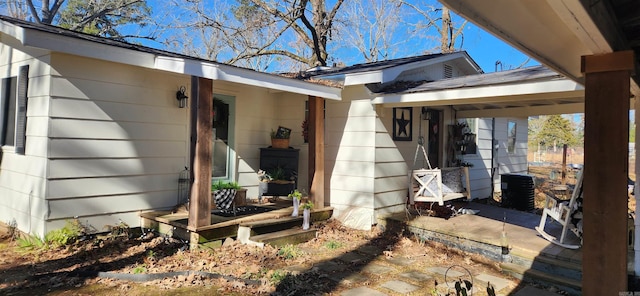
[{"x": 484, "y": 79}]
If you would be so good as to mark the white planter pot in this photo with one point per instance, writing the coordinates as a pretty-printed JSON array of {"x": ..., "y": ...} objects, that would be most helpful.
[
  {"x": 296, "y": 205},
  {"x": 306, "y": 216}
]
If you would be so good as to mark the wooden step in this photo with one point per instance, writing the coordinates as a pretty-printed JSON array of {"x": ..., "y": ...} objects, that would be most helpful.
[
  {"x": 571, "y": 286},
  {"x": 285, "y": 237}
]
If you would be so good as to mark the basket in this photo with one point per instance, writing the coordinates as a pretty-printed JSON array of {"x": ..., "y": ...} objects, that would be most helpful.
[{"x": 279, "y": 143}]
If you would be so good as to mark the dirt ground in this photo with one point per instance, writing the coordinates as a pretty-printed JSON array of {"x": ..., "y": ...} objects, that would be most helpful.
[
  {"x": 244, "y": 270},
  {"x": 73, "y": 270}
]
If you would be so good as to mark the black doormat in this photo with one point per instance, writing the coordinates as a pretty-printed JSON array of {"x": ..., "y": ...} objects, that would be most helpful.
[{"x": 241, "y": 211}]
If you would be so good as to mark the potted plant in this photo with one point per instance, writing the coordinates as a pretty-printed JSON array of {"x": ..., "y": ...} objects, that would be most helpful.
[
  {"x": 295, "y": 196},
  {"x": 280, "y": 137},
  {"x": 306, "y": 214},
  {"x": 224, "y": 193},
  {"x": 276, "y": 182}
]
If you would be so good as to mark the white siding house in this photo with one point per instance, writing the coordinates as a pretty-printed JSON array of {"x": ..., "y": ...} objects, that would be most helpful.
[
  {"x": 367, "y": 167},
  {"x": 106, "y": 139}
]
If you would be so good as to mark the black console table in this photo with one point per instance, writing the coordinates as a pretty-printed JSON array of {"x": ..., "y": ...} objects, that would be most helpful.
[{"x": 284, "y": 160}]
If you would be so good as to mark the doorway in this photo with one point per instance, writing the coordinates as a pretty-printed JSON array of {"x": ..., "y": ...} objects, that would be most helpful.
[
  {"x": 222, "y": 164},
  {"x": 434, "y": 136}
]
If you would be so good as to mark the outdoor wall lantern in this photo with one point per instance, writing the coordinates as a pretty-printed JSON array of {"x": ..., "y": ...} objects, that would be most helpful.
[{"x": 181, "y": 97}]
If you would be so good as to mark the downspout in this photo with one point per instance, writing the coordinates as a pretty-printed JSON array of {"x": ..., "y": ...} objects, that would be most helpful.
[{"x": 493, "y": 155}]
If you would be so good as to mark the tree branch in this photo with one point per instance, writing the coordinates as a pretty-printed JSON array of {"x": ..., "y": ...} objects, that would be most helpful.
[
  {"x": 270, "y": 52},
  {"x": 34, "y": 12}
]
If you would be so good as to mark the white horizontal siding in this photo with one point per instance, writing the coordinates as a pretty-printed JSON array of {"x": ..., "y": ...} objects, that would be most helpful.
[
  {"x": 98, "y": 223},
  {"x": 91, "y": 168},
  {"x": 91, "y": 187},
  {"x": 391, "y": 198},
  {"x": 69, "y": 208},
  {"x": 480, "y": 173},
  {"x": 117, "y": 140},
  {"x": 94, "y": 148},
  {"x": 23, "y": 209},
  {"x": 110, "y": 111},
  {"x": 391, "y": 169},
  {"x": 90, "y": 129},
  {"x": 22, "y": 177}
]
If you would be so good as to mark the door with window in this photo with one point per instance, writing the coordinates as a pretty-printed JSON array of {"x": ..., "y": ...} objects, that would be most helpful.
[{"x": 222, "y": 164}]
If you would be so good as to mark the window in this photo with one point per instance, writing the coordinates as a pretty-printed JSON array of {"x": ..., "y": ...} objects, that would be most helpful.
[
  {"x": 13, "y": 110},
  {"x": 8, "y": 136},
  {"x": 511, "y": 137}
]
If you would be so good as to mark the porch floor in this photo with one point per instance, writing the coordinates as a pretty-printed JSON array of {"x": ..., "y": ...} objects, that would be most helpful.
[
  {"x": 487, "y": 225},
  {"x": 486, "y": 228}
]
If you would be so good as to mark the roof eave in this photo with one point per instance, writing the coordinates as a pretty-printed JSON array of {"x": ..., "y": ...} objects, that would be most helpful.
[
  {"x": 215, "y": 71},
  {"x": 556, "y": 88},
  {"x": 223, "y": 72}
]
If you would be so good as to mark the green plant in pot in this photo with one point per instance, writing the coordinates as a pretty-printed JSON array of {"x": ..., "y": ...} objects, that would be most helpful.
[
  {"x": 224, "y": 193},
  {"x": 306, "y": 214},
  {"x": 296, "y": 196}
]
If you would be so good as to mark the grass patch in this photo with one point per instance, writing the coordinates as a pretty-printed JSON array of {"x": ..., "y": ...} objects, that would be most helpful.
[
  {"x": 333, "y": 245},
  {"x": 289, "y": 252}
]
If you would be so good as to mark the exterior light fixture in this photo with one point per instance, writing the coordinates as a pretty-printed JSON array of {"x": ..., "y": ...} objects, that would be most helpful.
[
  {"x": 181, "y": 97},
  {"x": 425, "y": 114}
]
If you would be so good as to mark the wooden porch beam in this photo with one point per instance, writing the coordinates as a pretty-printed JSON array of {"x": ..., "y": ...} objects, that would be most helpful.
[
  {"x": 200, "y": 200},
  {"x": 604, "y": 270},
  {"x": 316, "y": 151}
]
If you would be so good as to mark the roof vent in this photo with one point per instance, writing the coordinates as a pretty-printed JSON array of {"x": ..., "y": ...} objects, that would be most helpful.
[{"x": 448, "y": 71}]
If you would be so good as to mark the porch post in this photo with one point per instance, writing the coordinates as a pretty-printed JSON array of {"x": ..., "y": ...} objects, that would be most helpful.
[
  {"x": 607, "y": 94},
  {"x": 636, "y": 189},
  {"x": 200, "y": 200},
  {"x": 316, "y": 151}
]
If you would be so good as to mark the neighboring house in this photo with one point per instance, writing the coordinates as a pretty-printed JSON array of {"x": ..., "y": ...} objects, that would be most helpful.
[{"x": 100, "y": 136}]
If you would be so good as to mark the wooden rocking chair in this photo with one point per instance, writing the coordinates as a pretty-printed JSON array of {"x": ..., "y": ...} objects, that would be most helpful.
[{"x": 563, "y": 213}]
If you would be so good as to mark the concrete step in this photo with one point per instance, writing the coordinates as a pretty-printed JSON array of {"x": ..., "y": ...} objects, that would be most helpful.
[
  {"x": 285, "y": 237},
  {"x": 569, "y": 285},
  {"x": 551, "y": 266}
]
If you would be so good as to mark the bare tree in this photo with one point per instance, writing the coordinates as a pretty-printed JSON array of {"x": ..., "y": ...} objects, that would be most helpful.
[
  {"x": 371, "y": 27},
  {"x": 15, "y": 8},
  {"x": 257, "y": 33},
  {"x": 440, "y": 18},
  {"x": 220, "y": 32},
  {"x": 310, "y": 21}
]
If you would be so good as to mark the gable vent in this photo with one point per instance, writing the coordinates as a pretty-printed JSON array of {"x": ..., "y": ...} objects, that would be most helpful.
[{"x": 448, "y": 71}]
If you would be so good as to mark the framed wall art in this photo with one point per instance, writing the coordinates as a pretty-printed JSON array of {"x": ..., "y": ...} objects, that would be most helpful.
[{"x": 402, "y": 123}]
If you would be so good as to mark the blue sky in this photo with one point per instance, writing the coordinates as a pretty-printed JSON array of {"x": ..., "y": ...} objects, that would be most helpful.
[
  {"x": 486, "y": 50},
  {"x": 483, "y": 47}
]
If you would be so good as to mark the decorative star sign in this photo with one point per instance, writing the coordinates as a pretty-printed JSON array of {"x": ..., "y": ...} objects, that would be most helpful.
[{"x": 402, "y": 125}]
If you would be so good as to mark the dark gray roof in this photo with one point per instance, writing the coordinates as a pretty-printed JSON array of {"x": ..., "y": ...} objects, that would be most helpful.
[
  {"x": 495, "y": 78},
  {"x": 376, "y": 66}
]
